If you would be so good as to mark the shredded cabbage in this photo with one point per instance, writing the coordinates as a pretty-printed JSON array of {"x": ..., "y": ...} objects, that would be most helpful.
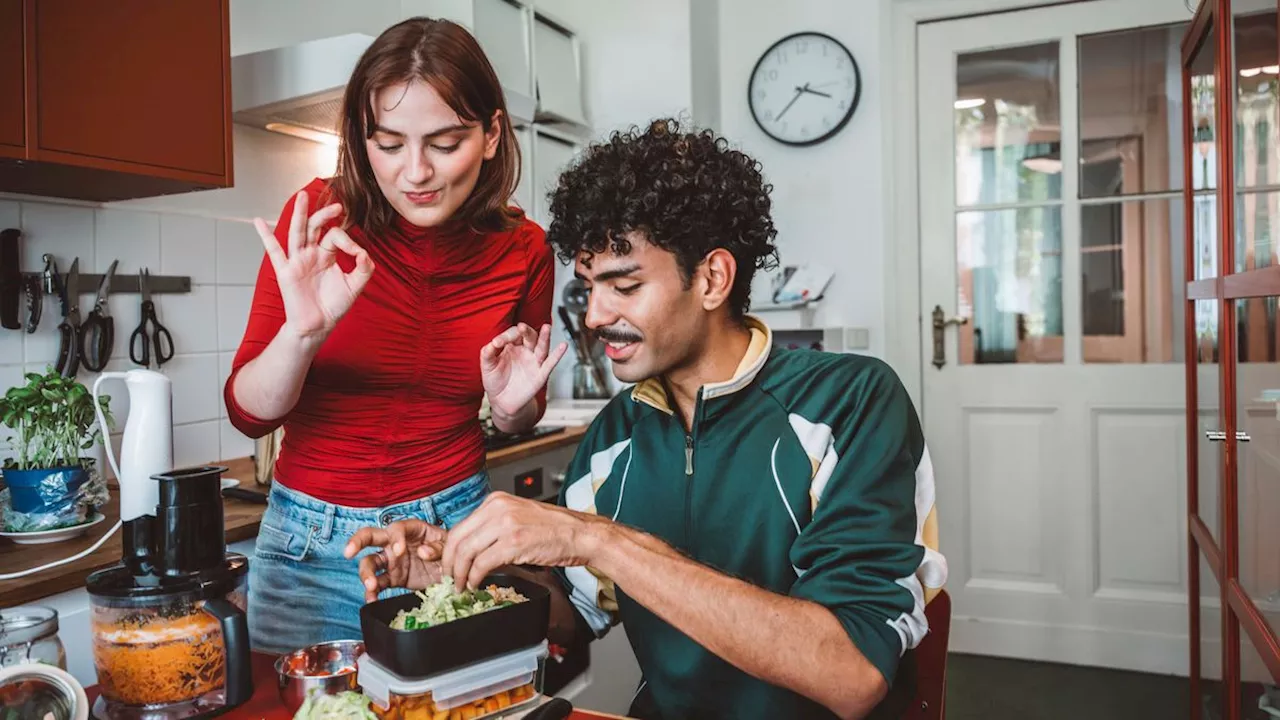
[
  {"x": 346, "y": 705},
  {"x": 442, "y": 602}
]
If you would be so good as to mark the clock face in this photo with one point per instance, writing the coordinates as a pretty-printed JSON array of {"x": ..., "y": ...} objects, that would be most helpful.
[{"x": 804, "y": 89}]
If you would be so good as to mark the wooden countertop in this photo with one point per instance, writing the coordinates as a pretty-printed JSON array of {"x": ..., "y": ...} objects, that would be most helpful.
[{"x": 242, "y": 519}]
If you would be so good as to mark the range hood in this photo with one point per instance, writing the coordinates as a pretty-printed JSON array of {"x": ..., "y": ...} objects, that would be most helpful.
[{"x": 297, "y": 90}]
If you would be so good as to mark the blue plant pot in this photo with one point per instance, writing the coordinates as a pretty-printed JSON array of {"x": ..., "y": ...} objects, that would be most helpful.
[{"x": 50, "y": 490}]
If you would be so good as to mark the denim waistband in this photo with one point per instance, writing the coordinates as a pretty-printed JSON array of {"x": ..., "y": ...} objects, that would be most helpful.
[{"x": 308, "y": 510}]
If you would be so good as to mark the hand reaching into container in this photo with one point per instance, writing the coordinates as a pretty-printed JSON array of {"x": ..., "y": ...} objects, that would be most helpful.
[{"x": 408, "y": 557}]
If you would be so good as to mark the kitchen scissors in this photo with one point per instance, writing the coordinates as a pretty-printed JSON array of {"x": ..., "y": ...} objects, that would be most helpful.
[
  {"x": 150, "y": 335},
  {"x": 98, "y": 333},
  {"x": 69, "y": 329}
]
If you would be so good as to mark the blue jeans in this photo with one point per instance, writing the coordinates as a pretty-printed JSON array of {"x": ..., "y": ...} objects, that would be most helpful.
[{"x": 302, "y": 590}]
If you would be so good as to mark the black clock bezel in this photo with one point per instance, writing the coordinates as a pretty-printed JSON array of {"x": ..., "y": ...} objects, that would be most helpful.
[{"x": 853, "y": 106}]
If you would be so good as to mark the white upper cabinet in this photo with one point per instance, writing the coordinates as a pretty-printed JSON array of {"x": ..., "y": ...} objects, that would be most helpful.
[
  {"x": 558, "y": 69},
  {"x": 502, "y": 27}
]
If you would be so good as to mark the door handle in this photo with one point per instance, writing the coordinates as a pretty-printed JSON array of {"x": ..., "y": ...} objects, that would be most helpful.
[
  {"x": 1221, "y": 436},
  {"x": 940, "y": 323}
]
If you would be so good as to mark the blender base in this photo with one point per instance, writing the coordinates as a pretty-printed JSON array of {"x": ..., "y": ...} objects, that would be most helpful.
[{"x": 206, "y": 706}]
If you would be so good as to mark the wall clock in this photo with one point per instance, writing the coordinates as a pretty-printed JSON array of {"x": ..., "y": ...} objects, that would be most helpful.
[{"x": 804, "y": 88}]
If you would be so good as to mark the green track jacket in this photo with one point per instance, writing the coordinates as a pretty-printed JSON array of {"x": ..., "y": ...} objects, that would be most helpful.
[{"x": 806, "y": 474}]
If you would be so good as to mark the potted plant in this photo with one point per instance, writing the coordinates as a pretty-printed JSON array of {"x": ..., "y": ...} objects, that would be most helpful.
[{"x": 48, "y": 481}]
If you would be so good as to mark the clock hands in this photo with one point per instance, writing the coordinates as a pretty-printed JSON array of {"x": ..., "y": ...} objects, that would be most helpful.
[{"x": 799, "y": 92}]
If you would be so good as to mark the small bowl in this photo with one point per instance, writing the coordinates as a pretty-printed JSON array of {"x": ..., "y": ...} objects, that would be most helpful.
[{"x": 323, "y": 669}]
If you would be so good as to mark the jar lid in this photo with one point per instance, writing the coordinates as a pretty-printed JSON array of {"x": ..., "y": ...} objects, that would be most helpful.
[
  {"x": 455, "y": 687},
  {"x": 42, "y": 692},
  {"x": 27, "y": 623}
]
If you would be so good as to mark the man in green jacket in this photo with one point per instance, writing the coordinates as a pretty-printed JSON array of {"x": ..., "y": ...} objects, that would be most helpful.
[{"x": 761, "y": 519}]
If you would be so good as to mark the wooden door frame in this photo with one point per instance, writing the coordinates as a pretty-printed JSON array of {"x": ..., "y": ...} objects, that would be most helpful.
[{"x": 1223, "y": 558}]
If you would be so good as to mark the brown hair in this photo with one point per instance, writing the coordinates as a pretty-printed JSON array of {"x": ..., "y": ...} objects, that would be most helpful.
[{"x": 444, "y": 55}]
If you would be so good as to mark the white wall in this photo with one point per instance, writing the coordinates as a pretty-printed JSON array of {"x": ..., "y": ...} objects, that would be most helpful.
[{"x": 828, "y": 202}]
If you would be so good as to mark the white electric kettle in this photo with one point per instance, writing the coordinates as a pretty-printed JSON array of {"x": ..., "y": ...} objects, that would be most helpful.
[{"x": 147, "y": 449}]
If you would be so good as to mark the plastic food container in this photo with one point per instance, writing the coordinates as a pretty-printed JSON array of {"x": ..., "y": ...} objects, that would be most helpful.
[
  {"x": 489, "y": 688},
  {"x": 430, "y": 651}
]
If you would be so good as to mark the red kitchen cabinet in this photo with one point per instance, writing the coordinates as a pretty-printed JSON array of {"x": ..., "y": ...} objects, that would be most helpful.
[
  {"x": 13, "y": 108},
  {"x": 124, "y": 99}
]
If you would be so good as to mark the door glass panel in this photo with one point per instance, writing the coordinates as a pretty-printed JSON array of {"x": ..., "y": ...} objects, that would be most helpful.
[
  {"x": 1204, "y": 159},
  {"x": 1257, "y": 68},
  {"x": 1211, "y": 707},
  {"x": 1131, "y": 274},
  {"x": 1258, "y": 691},
  {"x": 1007, "y": 126},
  {"x": 1258, "y": 464},
  {"x": 1257, "y": 218},
  {"x": 1010, "y": 285},
  {"x": 1208, "y": 470},
  {"x": 1131, "y": 111}
]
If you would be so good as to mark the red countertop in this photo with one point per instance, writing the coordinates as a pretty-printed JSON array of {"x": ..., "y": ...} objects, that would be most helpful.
[{"x": 265, "y": 703}]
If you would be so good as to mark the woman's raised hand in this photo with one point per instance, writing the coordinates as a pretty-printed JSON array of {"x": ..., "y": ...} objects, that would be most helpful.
[{"x": 315, "y": 290}]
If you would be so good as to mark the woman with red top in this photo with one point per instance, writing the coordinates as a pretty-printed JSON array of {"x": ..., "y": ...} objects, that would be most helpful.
[{"x": 393, "y": 297}]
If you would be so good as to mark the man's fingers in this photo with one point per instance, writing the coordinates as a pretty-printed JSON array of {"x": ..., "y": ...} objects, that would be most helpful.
[
  {"x": 298, "y": 225},
  {"x": 486, "y": 562},
  {"x": 272, "y": 244},
  {"x": 363, "y": 538},
  {"x": 370, "y": 568}
]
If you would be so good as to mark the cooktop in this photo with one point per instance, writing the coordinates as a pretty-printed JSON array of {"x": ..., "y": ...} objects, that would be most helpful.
[{"x": 495, "y": 439}]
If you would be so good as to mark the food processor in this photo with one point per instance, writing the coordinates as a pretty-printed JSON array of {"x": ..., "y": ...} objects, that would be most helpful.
[
  {"x": 172, "y": 642},
  {"x": 168, "y": 623}
]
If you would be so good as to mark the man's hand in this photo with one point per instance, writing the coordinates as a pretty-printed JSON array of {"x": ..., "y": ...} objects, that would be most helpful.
[
  {"x": 409, "y": 556},
  {"x": 507, "y": 530}
]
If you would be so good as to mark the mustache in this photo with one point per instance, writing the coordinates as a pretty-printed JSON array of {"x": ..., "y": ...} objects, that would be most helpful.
[{"x": 618, "y": 335}]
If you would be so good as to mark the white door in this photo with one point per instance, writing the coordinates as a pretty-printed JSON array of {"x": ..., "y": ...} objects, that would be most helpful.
[{"x": 1052, "y": 221}]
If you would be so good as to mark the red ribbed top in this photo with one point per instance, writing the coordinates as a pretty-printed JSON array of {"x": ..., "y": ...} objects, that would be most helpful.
[{"x": 388, "y": 411}]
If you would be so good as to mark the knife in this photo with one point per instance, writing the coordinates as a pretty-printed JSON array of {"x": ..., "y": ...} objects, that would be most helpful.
[{"x": 10, "y": 279}]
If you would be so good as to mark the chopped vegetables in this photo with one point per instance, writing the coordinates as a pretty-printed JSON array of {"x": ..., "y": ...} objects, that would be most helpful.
[
  {"x": 422, "y": 707},
  {"x": 442, "y": 603},
  {"x": 342, "y": 706}
]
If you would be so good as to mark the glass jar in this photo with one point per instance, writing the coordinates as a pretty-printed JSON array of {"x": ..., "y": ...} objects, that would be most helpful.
[{"x": 29, "y": 634}]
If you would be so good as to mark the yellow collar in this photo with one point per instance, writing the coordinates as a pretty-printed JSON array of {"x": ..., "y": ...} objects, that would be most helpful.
[{"x": 651, "y": 391}]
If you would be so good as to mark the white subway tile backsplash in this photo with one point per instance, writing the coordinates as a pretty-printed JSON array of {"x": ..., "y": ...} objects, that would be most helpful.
[
  {"x": 233, "y": 315},
  {"x": 10, "y": 376},
  {"x": 195, "y": 388},
  {"x": 11, "y": 217},
  {"x": 196, "y": 444},
  {"x": 234, "y": 445},
  {"x": 240, "y": 253},
  {"x": 11, "y": 342},
  {"x": 188, "y": 248},
  {"x": 224, "y": 373},
  {"x": 65, "y": 231},
  {"x": 132, "y": 238},
  {"x": 191, "y": 318}
]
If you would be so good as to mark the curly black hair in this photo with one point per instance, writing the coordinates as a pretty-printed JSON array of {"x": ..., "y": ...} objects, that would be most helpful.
[{"x": 688, "y": 192}]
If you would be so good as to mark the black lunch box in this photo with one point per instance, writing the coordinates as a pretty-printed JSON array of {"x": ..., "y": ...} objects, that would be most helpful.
[{"x": 427, "y": 651}]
